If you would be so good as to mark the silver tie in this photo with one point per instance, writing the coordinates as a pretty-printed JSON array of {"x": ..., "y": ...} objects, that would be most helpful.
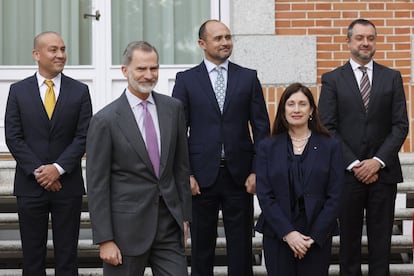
[{"x": 219, "y": 88}]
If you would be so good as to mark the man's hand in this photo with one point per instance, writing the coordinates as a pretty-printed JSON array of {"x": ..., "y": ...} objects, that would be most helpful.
[
  {"x": 195, "y": 189},
  {"x": 186, "y": 232},
  {"x": 46, "y": 175},
  {"x": 371, "y": 179},
  {"x": 250, "y": 184},
  {"x": 54, "y": 187},
  {"x": 298, "y": 243},
  {"x": 110, "y": 253},
  {"x": 366, "y": 171}
]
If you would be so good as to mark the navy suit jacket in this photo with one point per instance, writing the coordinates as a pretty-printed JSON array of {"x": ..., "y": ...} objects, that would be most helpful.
[
  {"x": 34, "y": 140},
  {"x": 379, "y": 132},
  {"x": 208, "y": 129},
  {"x": 324, "y": 180}
]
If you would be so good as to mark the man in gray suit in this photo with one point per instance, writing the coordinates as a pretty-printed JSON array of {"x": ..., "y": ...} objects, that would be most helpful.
[{"x": 137, "y": 173}]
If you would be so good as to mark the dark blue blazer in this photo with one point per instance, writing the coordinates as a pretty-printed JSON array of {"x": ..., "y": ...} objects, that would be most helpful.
[
  {"x": 34, "y": 140},
  {"x": 324, "y": 180},
  {"x": 208, "y": 129}
]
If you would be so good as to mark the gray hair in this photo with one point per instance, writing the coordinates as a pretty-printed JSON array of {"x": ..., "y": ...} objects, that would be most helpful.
[{"x": 136, "y": 45}]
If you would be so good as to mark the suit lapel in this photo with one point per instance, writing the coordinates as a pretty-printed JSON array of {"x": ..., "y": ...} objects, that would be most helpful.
[
  {"x": 165, "y": 118},
  {"x": 377, "y": 83},
  {"x": 232, "y": 77},
  {"x": 61, "y": 102},
  {"x": 205, "y": 84},
  {"x": 349, "y": 77},
  {"x": 34, "y": 94},
  {"x": 310, "y": 160},
  {"x": 129, "y": 127},
  {"x": 281, "y": 156}
]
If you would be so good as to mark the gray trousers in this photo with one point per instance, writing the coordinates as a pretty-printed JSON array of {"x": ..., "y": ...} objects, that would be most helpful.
[{"x": 165, "y": 257}]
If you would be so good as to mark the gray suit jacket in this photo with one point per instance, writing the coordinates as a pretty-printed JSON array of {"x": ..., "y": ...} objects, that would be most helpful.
[{"x": 123, "y": 190}]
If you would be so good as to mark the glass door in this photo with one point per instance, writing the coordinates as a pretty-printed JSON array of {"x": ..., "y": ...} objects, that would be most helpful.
[
  {"x": 95, "y": 33},
  {"x": 63, "y": 17}
]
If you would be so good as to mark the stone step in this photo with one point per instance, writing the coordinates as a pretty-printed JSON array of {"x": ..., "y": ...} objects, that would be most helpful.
[
  {"x": 11, "y": 249},
  {"x": 405, "y": 187},
  {"x": 10, "y": 220},
  {"x": 395, "y": 270},
  {"x": 8, "y": 199},
  {"x": 7, "y": 166},
  {"x": 401, "y": 244},
  {"x": 407, "y": 165}
]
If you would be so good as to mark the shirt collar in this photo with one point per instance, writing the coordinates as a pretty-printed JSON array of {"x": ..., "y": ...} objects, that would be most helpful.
[
  {"x": 355, "y": 66},
  {"x": 56, "y": 80},
  {"x": 211, "y": 66},
  {"x": 134, "y": 100}
]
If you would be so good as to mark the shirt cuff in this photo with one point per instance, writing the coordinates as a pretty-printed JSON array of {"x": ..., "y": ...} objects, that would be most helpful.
[
  {"x": 59, "y": 168},
  {"x": 349, "y": 168},
  {"x": 379, "y": 160}
]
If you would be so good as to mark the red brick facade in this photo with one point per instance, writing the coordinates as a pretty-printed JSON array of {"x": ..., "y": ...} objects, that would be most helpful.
[{"x": 329, "y": 21}]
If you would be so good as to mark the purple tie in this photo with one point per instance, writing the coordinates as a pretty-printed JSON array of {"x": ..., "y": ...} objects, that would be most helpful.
[{"x": 151, "y": 139}]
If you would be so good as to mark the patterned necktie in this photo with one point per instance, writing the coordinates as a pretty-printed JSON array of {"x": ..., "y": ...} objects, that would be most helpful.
[
  {"x": 365, "y": 87},
  {"x": 50, "y": 98},
  {"x": 219, "y": 88},
  {"x": 151, "y": 139}
]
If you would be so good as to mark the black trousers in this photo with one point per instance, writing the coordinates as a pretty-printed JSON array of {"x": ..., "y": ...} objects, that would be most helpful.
[
  {"x": 378, "y": 202},
  {"x": 33, "y": 220},
  {"x": 237, "y": 208}
]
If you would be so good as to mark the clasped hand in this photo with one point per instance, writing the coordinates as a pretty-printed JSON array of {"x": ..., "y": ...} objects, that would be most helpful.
[
  {"x": 48, "y": 177},
  {"x": 298, "y": 243},
  {"x": 366, "y": 171}
]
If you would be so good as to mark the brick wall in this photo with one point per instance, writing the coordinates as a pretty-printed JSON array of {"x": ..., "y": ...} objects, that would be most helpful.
[{"x": 328, "y": 21}]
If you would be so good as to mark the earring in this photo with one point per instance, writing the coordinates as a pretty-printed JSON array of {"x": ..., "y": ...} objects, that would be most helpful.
[{"x": 310, "y": 117}]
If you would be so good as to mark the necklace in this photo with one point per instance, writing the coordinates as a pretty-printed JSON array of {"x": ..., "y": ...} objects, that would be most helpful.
[
  {"x": 299, "y": 147},
  {"x": 301, "y": 139},
  {"x": 300, "y": 143}
]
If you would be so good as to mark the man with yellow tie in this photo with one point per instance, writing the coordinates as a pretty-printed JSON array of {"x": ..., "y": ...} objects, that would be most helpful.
[{"x": 46, "y": 121}]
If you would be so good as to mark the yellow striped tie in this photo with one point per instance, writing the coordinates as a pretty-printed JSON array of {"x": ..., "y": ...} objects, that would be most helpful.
[{"x": 50, "y": 99}]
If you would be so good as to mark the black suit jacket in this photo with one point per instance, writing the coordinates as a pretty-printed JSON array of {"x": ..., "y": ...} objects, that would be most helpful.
[
  {"x": 209, "y": 129},
  {"x": 34, "y": 140},
  {"x": 379, "y": 132}
]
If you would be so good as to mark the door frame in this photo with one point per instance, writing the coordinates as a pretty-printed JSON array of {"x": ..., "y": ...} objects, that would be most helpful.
[{"x": 105, "y": 80}]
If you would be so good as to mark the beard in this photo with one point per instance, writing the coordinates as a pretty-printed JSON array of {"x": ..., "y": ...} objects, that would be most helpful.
[
  {"x": 142, "y": 88},
  {"x": 362, "y": 56}
]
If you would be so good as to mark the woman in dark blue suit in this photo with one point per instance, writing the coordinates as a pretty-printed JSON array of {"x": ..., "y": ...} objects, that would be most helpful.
[{"x": 300, "y": 175}]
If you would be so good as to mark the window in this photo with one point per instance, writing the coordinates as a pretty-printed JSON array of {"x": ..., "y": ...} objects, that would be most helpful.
[
  {"x": 169, "y": 25},
  {"x": 63, "y": 17}
]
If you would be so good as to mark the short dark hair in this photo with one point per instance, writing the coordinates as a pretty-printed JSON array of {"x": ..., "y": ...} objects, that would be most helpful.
[
  {"x": 136, "y": 45},
  {"x": 281, "y": 125},
  {"x": 361, "y": 21},
  {"x": 202, "y": 30}
]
